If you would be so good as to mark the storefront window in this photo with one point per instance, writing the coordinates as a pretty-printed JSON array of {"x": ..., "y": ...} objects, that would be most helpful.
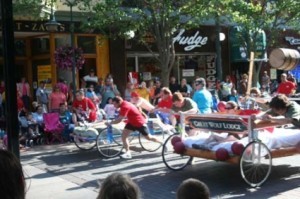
[
  {"x": 20, "y": 48},
  {"x": 87, "y": 44},
  {"x": 40, "y": 46}
]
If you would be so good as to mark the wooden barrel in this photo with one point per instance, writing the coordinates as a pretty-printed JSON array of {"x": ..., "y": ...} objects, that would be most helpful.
[{"x": 284, "y": 58}]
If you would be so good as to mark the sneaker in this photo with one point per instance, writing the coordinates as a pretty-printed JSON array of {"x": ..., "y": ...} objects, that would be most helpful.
[{"x": 126, "y": 155}]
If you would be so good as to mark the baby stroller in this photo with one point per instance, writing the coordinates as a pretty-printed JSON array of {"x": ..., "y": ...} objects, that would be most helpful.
[
  {"x": 29, "y": 134},
  {"x": 53, "y": 128}
]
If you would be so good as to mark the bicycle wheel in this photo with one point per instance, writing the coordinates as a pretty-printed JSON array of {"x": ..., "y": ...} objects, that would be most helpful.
[
  {"x": 255, "y": 163},
  {"x": 85, "y": 138},
  {"x": 172, "y": 160},
  {"x": 149, "y": 145},
  {"x": 109, "y": 144}
]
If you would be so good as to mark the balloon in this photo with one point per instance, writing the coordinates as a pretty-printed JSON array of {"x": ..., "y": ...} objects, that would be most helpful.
[
  {"x": 175, "y": 139},
  {"x": 222, "y": 154},
  {"x": 179, "y": 147},
  {"x": 237, "y": 148}
]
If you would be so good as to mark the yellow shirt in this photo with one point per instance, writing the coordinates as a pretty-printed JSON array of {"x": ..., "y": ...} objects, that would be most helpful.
[{"x": 143, "y": 92}]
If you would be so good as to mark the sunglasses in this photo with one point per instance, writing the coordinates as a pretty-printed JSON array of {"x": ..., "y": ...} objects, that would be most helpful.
[{"x": 228, "y": 108}]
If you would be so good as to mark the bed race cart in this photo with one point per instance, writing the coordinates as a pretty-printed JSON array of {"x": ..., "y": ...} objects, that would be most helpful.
[{"x": 257, "y": 145}]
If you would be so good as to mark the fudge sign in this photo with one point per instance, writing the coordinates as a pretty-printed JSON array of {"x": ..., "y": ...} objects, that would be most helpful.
[{"x": 221, "y": 126}]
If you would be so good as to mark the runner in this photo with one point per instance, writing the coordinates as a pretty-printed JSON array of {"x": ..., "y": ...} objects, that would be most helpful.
[{"x": 135, "y": 122}]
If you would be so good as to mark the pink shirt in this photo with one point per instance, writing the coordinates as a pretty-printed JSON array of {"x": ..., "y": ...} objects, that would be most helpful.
[{"x": 55, "y": 99}]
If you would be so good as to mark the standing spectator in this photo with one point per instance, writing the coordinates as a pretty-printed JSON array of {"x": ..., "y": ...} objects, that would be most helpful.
[
  {"x": 91, "y": 78},
  {"x": 173, "y": 85},
  {"x": 202, "y": 96},
  {"x": 24, "y": 88},
  {"x": 99, "y": 86},
  {"x": 143, "y": 91},
  {"x": 109, "y": 109},
  {"x": 184, "y": 88},
  {"x": 193, "y": 189},
  {"x": 70, "y": 98},
  {"x": 119, "y": 186},
  {"x": 42, "y": 96},
  {"x": 157, "y": 93},
  {"x": 151, "y": 88},
  {"x": 286, "y": 87},
  {"x": 63, "y": 86},
  {"x": 55, "y": 99},
  {"x": 128, "y": 90},
  {"x": 226, "y": 88},
  {"x": 109, "y": 89},
  {"x": 12, "y": 181},
  {"x": 291, "y": 78},
  {"x": 84, "y": 106},
  {"x": 265, "y": 82},
  {"x": 243, "y": 84},
  {"x": 166, "y": 99}
]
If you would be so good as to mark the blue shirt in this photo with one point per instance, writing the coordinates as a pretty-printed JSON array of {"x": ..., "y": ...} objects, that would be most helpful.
[{"x": 204, "y": 100}]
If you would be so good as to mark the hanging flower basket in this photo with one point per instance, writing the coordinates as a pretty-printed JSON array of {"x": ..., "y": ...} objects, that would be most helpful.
[{"x": 64, "y": 55}]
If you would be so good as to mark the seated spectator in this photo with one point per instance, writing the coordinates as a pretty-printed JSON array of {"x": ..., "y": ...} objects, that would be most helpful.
[
  {"x": 65, "y": 117},
  {"x": 12, "y": 180},
  {"x": 33, "y": 132},
  {"x": 38, "y": 117},
  {"x": 166, "y": 99},
  {"x": 193, "y": 189},
  {"x": 119, "y": 186}
]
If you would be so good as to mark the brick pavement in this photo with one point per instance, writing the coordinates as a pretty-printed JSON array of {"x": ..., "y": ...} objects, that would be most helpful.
[{"x": 83, "y": 171}]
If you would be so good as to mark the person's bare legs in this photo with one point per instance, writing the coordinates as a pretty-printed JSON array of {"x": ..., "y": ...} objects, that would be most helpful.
[
  {"x": 152, "y": 138},
  {"x": 125, "y": 141}
]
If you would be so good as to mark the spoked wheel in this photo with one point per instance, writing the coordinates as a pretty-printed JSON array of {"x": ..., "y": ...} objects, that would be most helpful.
[
  {"x": 149, "y": 145},
  {"x": 172, "y": 160},
  {"x": 85, "y": 138},
  {"x": 255, "y": 163},
  {"x": 109, "y": 142}
]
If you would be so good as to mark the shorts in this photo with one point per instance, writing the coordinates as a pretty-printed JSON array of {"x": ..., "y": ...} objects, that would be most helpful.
[{"x": 143, "y": 129}]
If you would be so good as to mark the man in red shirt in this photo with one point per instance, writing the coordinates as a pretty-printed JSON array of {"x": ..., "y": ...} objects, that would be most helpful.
[
  {"x": 85, "y": 106},
  {"x": 135, "y": 122},
  {"x": 286, "y": 87}
]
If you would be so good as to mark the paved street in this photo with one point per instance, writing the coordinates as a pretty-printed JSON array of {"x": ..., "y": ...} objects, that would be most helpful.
[{"x": 63, "y": 171}]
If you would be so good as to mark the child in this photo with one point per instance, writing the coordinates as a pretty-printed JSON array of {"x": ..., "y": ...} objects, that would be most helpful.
[
  {"x": 109, "y": 109},
  {"x": 33, "y": 128}
]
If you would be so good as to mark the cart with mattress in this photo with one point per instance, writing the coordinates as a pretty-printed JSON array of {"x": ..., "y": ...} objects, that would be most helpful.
[{"x": 254, "y": 158}]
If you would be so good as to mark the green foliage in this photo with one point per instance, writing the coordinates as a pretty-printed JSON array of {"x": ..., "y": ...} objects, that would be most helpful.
[{"x": 31, "y": 8}]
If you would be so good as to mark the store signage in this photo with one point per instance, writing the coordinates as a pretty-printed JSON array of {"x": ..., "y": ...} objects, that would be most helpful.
[
  {"x": 293, "y": 40},
  {"x": 211, "y": 72},
  {"x": 39, "y": 26},
  {"x": 191, "y": 41}
]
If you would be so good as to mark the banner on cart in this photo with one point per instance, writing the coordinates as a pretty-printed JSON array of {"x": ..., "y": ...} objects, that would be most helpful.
[{"x": 228, "y": 125}]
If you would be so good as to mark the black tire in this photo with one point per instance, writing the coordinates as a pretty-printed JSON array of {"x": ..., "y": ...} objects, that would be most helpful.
[
  {"x": 149, "y": 145},
  {"x": 255, "y": 163},
  {"x": 85, "y": 141},
  {"x": 109, "y": 145},
  {"x": 172, "y": 160}
]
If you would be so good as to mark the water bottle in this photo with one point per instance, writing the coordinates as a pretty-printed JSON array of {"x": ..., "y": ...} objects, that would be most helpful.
[
  {"x": 109, "y": 134},
  {"x": 116, "y": 114},
  {"x": 150, "y": 127}
]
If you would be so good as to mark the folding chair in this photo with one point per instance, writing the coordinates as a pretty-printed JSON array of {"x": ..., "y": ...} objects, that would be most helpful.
[{"x": 53, "y": 128}]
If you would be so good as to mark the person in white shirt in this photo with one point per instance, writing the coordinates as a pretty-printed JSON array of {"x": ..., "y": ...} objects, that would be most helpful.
[{"x": 91, "y": 78}]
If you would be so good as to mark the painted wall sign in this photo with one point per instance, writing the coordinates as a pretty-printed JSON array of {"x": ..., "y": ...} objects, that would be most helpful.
[
  {"x": 293, "y": 40},
  {"x": 190, "y": 42},
  {"x": 211, "y": 72},
  {"x": 217, "y": 125}
]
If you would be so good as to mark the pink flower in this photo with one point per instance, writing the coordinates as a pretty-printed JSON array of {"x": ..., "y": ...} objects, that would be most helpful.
[{"x": 64, "y": 57}]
